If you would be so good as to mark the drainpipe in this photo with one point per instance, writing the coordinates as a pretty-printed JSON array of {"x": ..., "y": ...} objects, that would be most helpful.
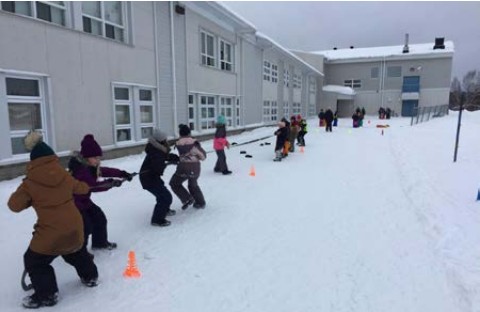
[
  {"x": 157, "y": 71},
  {"x": 174, "y": 76},
  {"x": 383, "y": 78}
]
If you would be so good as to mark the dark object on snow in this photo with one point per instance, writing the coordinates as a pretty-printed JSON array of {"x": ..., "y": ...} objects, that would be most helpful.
[
  {"x": 267, "y": 143},
  {"x": 233, "y": 143},
  {"x": 248, "y": 156},
  {"x": 243, "y": 152},
  {"x": 261, "y": 144}
]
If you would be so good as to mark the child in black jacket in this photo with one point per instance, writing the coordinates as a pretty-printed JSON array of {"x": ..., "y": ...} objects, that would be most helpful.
[{"x": 282, "y": 136}]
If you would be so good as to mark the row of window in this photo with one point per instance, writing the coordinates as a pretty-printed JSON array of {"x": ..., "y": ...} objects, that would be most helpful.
[
  {"x": 270, "y": 72},
  {"x": 216, "y": 52},
  {"x": 203, "y": 111},
  {"x": 270, "y": 110},
  {"x": 392, "y": 72},
  {"x": 102, "y": 18}
]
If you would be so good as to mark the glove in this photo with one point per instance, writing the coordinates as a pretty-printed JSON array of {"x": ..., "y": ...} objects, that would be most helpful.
[
  {"x": 173, "y": 158},
  {"x": 127, "y": 176},
  {"x": 117, "y": 183}
]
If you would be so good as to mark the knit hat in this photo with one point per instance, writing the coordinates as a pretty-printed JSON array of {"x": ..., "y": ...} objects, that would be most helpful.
[
  {"x": 159, "y": 135},
  {"x": 183, "y": 130},
  {"x": 34, "y": 143},
  {"x": 90, "y": 147},
  {"x": 221, "y": 119}
]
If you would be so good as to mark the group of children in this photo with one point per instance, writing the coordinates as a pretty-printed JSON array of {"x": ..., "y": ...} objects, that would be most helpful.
[
  {"x": 67, "y": 216},
  {"x": 286, "y": 134}
]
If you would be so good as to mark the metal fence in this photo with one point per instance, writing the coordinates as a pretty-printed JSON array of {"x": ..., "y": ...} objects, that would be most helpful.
[{"x": 423, "y": 114}]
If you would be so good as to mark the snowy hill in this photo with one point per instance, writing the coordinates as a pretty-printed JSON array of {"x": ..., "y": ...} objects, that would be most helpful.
[{"x": 358, "y": 222}]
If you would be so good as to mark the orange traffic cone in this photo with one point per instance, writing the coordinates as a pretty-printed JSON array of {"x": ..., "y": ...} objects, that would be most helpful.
[
  {"x": 131, "y": 270},
  {"x": 252, "y": 171},
  {"x": 302, "y": 150}
]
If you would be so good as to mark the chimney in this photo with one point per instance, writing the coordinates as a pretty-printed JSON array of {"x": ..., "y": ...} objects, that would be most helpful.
[
  {"x": 405, "y": 47},
  {"x": 439, "y": 43}
]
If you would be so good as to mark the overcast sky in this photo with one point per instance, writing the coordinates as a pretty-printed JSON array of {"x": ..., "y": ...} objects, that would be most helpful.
[{"x": 311, "y": 26}]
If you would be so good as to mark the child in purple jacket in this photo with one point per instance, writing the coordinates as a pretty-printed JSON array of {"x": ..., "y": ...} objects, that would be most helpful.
[
  {"x": 85, "y": 167},
  {"x": 219, "y": 143}
]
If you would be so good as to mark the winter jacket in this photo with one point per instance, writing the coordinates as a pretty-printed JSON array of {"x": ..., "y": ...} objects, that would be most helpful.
[
  {"x": 82, "y": 171},
  {"x": 303, "y": 126},
  {"x": 282, "y": 136},
  {"x": 328, "y": 116},
  {"x": 220, "y": 141},
  {"x": 155, "y": 162},
  {"x": 49, "y": 189},
  {"x": 191, "y": 153}
]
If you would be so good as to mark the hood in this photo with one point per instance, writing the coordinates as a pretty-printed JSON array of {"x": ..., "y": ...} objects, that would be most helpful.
[{"x": 46, "y": 171}]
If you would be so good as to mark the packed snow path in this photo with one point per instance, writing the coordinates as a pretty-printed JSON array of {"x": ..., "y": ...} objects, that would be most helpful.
[{"x": 348, "y": 225}]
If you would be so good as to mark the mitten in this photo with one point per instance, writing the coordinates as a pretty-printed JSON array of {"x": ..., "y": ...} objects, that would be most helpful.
[
  {"x": 173, "y": 158},
  {"x": 127, "y": 176},
  {"x": 117, "y": 183}
]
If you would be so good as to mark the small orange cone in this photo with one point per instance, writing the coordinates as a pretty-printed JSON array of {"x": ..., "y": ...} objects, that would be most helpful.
[
  {"x": 302, "y": 150},
  {"x": 131, "y": 270},
  {"x": 252, "y": 171}
]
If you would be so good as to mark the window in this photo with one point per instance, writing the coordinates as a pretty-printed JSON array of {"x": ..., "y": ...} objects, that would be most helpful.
[
  {"x": 296, "y": 108},
  {"x": 226, "y": 109},
  {"x": 274, "y": 73},
  {"x": 50, "y": 11},
  {"x": 134, "y": 113},
  {"x": 207, "y": 112},
  {"x": 297, "y": 81},
  {"x": 104, "y": 18},
  {"x": 374, "y": 72},
  {"x": 26, "y": 108},
  {"x": 286, "y": 78},
  {"x": 355, "y": 84},
  {"x": 238, "y": 116},
  {"x": 313, "y": 84},
  {"x": 267, "y": 111},
  {"x": 286, "y": 109},
  {"x": 394, "y": 71},
  {"x": 266, "y": 70},
  {"x": 191, "y": 112},
  {"x": 274, "y": 111},
  {"x": 208, "y": 49},
  {"x": 226, "y": 56}
]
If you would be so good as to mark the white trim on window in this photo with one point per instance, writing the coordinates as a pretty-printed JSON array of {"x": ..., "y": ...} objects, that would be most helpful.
[
  {"x": 56, "y": 12},
  {"x": 208, "y": 112},
  {"x": 226, "y": 55},
  {"x": 108, "y": 24},
  {"x": 207, "y": 49}
]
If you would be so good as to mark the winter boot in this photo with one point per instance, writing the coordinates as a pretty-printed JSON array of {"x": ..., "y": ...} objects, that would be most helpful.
[
  {"x": 187, "y": 204},
  {"x": 161, "y": 223},
  {"x": 226, "y": 172},
  {"x": 35, "y": 302},
  {"x": 171, "y": 212},
  {"x": 89, "y": 282},
  {"x": 199, "y": 206},
  {"x": 107, "y": 246}
]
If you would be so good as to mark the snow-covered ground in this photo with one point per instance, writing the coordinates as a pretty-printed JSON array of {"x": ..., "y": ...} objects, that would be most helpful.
[{"x": 358, "y": 222}]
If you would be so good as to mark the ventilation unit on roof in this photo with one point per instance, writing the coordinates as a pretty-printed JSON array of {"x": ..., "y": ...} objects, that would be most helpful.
[
  {"x": 439, "y": 43},
  {"x": 334, "y": 48},
  {"x": 351, "y": 47},
  {"x": 180, "y": 10},
  {"x": 405, "y": 47}
]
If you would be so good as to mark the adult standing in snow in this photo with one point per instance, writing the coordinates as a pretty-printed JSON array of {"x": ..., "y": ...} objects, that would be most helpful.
[
  {"x": 328, "y": 120},
  {"x": 302, "y": 123},
  {"x": 282, "y": 137},
  {"x": 49, "y": 189},
  {"x": 219, "y": 143},
  {"x": 188, "y": 169},
  {"x": 157, "y": 157},
  {"x": 85, "y": 166}
]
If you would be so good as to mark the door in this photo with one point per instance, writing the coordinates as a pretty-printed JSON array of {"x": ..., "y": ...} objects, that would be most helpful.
[
  {"x": 344, "y": 108},
  {"x": 409, "y": 108}
]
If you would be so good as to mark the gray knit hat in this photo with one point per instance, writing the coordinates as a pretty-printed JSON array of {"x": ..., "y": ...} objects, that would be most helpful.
[{"x": 159, "y": 135}]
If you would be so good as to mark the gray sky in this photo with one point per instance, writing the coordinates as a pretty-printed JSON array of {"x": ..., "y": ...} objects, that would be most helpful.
[{"x": 323, "y": 25}]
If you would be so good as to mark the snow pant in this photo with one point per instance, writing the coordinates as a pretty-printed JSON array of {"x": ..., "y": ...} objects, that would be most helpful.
[
  {"x": 328, "y": 126},
  {"x": 164, "y": 200},
  {"x": 286, "y": 148},
  {"x": 291, "y": 139},
  {"x": 94, "y": 223},
  {"x": 42, "y": 273},
  {"x": 188, "y": 172},
  {"x": 301, "y": 138},
  {"x": 221, "y": 164}
]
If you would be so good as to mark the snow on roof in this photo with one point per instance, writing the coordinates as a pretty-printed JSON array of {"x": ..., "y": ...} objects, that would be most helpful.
[
  {"x": 263, "y": 36},
  {"x": 236, "y": 15},
  {"x": 414, "y": 49},
  {"x": 339, "y": 89}
]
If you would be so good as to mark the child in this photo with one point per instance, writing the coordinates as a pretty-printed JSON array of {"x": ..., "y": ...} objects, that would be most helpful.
[
  {"x": 293, "y": 133},
  {"x": 85, "y": 166},
  {"x": 286, "y": 145},
  {"x": 282, "y": 137},
  {"x": 335, "y": 119},
  {"x": 302, "y": 123},
  {"x": 191, "y": 153},
  {"x": 157, "y": 158},
  {"x": 49, "y": 189},
  {"x": 219, "y": 143}
]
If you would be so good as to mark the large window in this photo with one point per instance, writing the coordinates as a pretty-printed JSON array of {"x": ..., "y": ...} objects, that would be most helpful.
[
  {"x": 286, "y": 109},
  {"x": 353, "y": 83},
  {"x": 191, "y": 112},
  {"x": 226, "y": 56},
  {"x": 286, "y": 78},
  {"x": 104, "y": 18},
  {"x": 50, "y": 11},
  {"x": 274, "y": 73},
  {"x": 296, "y": 108},
  {"x": 266, "y": 70},
  {"x": 226, "y": 109},
  {"x": 207, "y": 112},
  {"x": 374, "y": 72},
  {"x": 134, "y": 113},
  {"x": 270, "y": 111},
  {"x": 26, "y": 109},
  {"x": 297, "y": 81},
  {"x": 208, "y": 49}
]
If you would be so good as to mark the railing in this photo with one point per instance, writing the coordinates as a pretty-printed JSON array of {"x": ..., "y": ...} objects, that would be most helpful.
[{"x": 423, "y": 114}]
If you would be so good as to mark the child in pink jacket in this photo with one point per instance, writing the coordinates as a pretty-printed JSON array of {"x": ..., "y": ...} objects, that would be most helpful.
[{"x": 219, "y": 143}]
